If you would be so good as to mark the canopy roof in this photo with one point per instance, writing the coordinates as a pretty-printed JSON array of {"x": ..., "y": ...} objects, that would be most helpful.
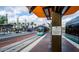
[
  {"x": 72, "y": 10},
  {"x": 64, "y": 10},
  {"x": 39, "y": 11}
]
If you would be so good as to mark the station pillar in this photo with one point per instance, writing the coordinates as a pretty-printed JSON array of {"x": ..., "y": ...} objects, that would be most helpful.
[{"x": 56, "y": 32}]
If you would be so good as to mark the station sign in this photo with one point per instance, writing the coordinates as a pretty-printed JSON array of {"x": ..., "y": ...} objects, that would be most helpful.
[{"x": 56, "y": 30}]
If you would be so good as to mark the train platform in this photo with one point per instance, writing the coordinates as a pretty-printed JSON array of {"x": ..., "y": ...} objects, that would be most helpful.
[
  {"x": 69, "y": 45},
  {"x": 44, "y": 45},
  {"x": 73, "y": 38}
]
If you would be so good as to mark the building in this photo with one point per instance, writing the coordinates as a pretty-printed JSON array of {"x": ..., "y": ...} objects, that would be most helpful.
[{"x": 6, "y": 27}]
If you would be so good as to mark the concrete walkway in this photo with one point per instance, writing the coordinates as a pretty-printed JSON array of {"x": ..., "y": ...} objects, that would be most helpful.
[
  {"x": 44, "y": 45},
  {"x": 69, "y": 46}
]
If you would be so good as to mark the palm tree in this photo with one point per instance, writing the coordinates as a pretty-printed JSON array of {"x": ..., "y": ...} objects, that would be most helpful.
[
  {"x": 23, "y": 26},
  {"x": 27, "y": 25},
  {"x": 32, "y": 23},
  {"x": 35, "y": 25}
]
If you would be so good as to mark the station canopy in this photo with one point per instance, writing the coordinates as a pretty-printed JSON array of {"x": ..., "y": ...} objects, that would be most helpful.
[{"x": 46, "y": 11}]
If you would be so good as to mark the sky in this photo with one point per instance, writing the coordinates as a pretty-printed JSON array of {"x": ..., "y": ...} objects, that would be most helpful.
[
  {"x": 22, "y": 13},
  {"x": 67, "y": 18}
]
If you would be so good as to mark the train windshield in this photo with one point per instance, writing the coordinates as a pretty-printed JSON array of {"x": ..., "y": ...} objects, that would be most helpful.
[{"x": 40, "y": 29}]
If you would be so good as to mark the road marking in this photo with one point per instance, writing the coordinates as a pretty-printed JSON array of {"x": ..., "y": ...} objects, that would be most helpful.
[
  {"x": 28, "y": 48},
  {"x": 73, "y": 43}
]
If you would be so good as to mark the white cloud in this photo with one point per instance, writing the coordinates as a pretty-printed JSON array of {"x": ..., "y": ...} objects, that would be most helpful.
[
  {"x": 14, "y": 12},
  {"x": 2, "y": 12},
  {"x": 18, "y": 10}
]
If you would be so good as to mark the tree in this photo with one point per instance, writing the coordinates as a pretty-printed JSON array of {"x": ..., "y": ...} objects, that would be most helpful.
[
  {"x": 32, "y": 23},
  {"x": 2, "y": 19},
  {"x": 27, "y": 25},
  {"x": 35, "y": 25}
]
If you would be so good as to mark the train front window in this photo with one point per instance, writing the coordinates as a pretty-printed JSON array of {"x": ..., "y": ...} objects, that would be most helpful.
[{"x": 40, "y": 29}]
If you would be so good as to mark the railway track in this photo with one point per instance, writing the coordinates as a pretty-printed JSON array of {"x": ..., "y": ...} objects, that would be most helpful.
[{"x": 18, "y": 46}]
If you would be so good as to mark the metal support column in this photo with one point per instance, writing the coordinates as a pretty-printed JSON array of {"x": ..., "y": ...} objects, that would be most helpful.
[{"x": 56, "y": 32}]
